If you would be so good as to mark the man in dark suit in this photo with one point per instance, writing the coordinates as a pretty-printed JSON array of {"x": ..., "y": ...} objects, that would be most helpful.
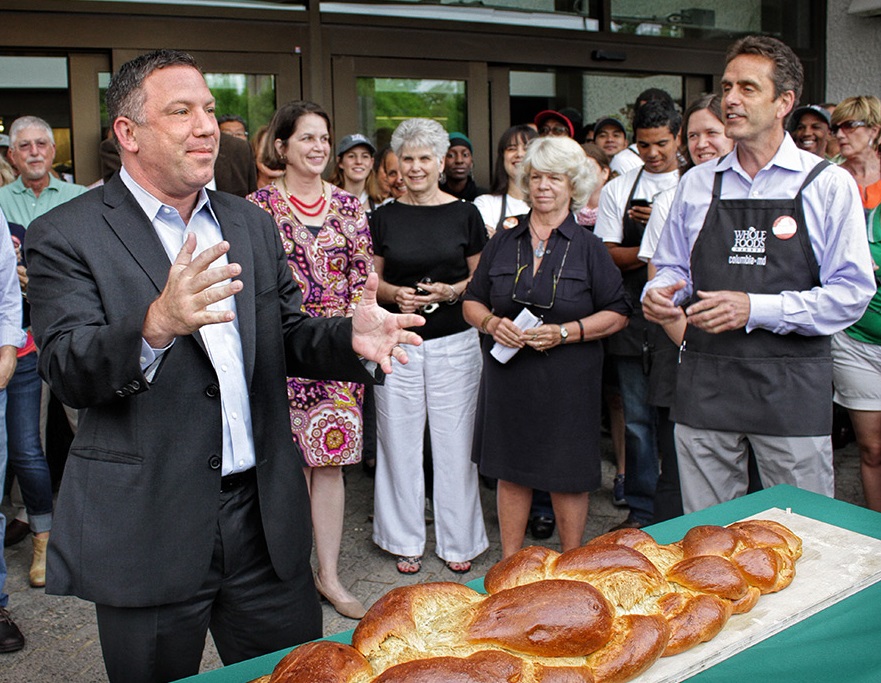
[{"x": 183, "y": 506}]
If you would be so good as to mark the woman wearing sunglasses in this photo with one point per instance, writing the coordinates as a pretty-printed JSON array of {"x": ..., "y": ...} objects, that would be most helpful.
[
  {"x": 538, "y": 415},
  {"x": 856, "y": 123},
  {"x": 856, "y": 351}
]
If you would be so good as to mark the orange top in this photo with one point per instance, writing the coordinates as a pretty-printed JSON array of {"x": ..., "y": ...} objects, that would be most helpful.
[{"x": 871, "y": 195}]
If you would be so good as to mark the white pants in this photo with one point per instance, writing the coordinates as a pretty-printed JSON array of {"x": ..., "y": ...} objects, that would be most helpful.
[
  {"x": 440, "y": 382},
  {"x": 712, "y": 464}
]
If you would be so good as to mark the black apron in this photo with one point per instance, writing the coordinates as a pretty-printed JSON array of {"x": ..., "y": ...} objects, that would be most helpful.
[
  {"x": 761, "y": 382},
  {"x": 633, "y": 339}
]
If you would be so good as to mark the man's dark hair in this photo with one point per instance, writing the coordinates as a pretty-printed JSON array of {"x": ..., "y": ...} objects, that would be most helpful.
[
  {"x": 657, "y": 114},
  {"x": 653, "y": 95},
  {"x": 283, "y": 125},
  {"x": 788, "y": 71},
  {"x": 125, "y": 94},
  {"x": 225, "y": 118}
]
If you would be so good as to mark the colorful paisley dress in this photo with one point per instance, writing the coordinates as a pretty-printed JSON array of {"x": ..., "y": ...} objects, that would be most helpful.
[{"x": 331, "y": 268}]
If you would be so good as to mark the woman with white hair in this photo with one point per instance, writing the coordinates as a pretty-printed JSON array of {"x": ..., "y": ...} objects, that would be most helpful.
[
  {"x": 427, "y": 244},
  {"x": 538, "y": 416}
]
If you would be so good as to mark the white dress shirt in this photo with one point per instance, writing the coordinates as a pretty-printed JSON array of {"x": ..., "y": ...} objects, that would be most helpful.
[
  {"x": 836, "y": 227},
  {"x": 222, "y": 340}
]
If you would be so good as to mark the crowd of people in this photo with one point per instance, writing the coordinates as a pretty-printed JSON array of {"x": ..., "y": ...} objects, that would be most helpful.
[{"x": 702, "y": 282}]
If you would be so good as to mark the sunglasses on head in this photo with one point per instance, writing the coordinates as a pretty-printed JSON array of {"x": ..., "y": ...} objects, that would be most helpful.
[
  {"x": 847, "y": 126},
  {"x": 554, "y": 130}
]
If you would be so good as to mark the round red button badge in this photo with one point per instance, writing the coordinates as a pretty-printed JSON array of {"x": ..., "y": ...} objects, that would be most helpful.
[{"x": 784, "y": 227}]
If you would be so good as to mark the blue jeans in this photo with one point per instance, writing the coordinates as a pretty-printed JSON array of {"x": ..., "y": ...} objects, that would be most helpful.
[
  {"x": 26, "y": 459},
  {"x": 4, "y": 599},
  {"x": 641, "y": 467}
]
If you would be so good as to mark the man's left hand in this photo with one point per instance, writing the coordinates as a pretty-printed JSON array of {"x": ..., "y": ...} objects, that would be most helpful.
[
  {"x": 8, "y": 361},
  {"x": 377, "y": 334},
  {"x": 719, "y": 311}
]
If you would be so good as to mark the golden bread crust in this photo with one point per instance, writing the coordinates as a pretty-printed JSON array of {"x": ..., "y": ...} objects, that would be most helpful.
[
  {"x": 710, "y": 574},
  {"x": 601, "y": 613},
  {"x": 322, "y": 662},
  {"x": 527, "y": 565},
  {"x": 544, "y": 619}
]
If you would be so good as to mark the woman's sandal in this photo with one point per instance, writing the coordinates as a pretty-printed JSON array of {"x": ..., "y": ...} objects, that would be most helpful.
[
  {"x": 409, "y": 565},
  {"x": 459, "y": 567}
]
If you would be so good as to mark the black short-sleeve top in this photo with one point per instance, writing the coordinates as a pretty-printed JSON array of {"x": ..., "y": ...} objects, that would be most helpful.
[{"x": 435, "y": 241}]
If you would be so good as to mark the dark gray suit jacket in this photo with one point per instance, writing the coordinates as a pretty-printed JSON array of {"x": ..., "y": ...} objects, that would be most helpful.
[{"x": 136, "y": 516}]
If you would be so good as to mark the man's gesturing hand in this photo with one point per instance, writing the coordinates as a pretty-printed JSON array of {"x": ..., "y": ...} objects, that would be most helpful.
[
  {"x": 377, "y": 333},
  {"x": 192, "y": 287}
]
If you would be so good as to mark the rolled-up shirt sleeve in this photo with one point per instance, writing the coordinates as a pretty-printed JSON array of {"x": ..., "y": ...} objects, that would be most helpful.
[
  {"x": 846, "y": 272},
  {"x": 11, "y": 333},
  {"x": 672, "y": 256}
]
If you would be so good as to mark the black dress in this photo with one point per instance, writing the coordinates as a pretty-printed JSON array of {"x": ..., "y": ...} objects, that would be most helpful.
[{"x": 538, "y": 416}]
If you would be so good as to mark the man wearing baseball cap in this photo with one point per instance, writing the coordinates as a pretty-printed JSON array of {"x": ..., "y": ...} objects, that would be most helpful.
[
  {"x": 809, "y": 127},
  {"x": 611, "y": 136},
  {"x": 458, "y": 166},
  {"x": 550, "y": 122}
]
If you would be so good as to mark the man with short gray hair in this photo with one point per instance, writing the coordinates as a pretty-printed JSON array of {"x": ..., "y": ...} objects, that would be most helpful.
[{"x": 36, "y": 190}]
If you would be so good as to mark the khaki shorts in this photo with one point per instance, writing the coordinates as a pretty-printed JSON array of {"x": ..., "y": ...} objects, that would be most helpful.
[{"x": 856, "y": 373}]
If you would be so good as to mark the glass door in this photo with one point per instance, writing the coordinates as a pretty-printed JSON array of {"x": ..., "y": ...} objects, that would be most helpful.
[{"x": 372, "y": 96}]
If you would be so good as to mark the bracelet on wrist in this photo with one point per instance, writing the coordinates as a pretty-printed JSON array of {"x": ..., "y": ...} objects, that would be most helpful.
[
  {"x": 485, "y": 322},
  {"x": 454, "y": 297},
  {"x": 580, "y": 330}
]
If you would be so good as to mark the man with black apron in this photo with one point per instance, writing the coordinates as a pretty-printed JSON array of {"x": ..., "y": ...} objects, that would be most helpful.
[
  {"x": 765, "y": 254},
  {"x": 625, "y": 206}
]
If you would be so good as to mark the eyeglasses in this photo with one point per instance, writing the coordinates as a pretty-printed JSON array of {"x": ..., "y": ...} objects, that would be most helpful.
[
  {"x": 25, "y": 145},
  {"x": 554, "y": 130},
  {"x": 555, "y": 278},
  {"x": 847, "y": 126}
]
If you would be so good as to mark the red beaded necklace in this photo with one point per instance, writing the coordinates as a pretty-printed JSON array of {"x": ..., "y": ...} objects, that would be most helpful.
[{"x": 302, "y": 207}]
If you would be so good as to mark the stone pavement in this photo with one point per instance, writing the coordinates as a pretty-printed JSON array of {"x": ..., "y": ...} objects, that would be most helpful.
[{"x": 62, "y": 637}]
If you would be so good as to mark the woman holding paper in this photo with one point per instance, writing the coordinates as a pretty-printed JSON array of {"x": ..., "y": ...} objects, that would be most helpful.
[{"x": 538, "y": 414}]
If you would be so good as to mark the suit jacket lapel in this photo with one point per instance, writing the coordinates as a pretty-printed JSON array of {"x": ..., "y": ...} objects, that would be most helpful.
[
  {"x": 128, "y": 221},
  {"x": 241, "y": 251}
]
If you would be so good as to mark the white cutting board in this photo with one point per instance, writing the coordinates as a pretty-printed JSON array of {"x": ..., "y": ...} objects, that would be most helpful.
[{"x": 835, "y": 564}]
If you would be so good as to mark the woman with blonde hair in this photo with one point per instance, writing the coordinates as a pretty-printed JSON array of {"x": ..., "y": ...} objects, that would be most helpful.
[
  {"x": 538, "y": 418},
  {"x": 856, "y": 124},
  {"x": 856, "y": 351}
]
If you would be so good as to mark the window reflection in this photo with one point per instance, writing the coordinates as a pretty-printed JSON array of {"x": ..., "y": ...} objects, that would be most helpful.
[
  {"x": 384, "y": 102},
  {"x": 713, "y": 19}
]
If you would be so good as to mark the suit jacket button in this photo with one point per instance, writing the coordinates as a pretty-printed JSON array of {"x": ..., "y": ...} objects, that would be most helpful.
[
  {"x": 120, "y": 393},
  {"x": 214, "y": 462},
  {"x": 212, "y": 390},
  {"x": 135, "y": 385}
]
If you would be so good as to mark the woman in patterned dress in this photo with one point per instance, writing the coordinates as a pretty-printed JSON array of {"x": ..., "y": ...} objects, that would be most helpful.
[{"x": 327, "y": 241}]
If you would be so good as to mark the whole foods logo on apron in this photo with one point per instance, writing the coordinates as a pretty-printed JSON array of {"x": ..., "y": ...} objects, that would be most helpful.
[{"x": 749, "y": 248}]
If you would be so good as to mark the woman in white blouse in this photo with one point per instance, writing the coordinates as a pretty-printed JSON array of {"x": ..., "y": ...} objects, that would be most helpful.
[{"x": 506, "y": 198}]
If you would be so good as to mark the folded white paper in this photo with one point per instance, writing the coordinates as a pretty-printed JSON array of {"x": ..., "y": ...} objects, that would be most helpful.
[{"x": 525, "y": 320}]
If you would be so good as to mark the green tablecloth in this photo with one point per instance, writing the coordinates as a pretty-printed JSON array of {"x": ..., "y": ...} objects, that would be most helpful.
[{"x": 840, "y": 644}]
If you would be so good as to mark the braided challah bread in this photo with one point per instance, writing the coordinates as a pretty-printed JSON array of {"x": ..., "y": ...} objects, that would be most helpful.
[{"x": 602, "y": 613}]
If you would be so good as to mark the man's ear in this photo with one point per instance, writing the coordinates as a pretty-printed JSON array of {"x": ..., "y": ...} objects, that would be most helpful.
[
  {"x": 787, "y": 103},
  {"x": 125, "y": 131}
]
